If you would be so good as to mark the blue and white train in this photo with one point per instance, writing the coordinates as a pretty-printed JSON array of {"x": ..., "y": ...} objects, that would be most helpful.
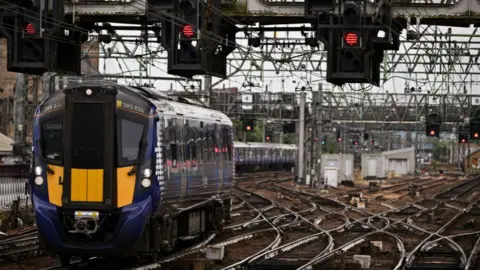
[
  {"x": 122, "y": 171},
  {"x": 256, "y": 157}
]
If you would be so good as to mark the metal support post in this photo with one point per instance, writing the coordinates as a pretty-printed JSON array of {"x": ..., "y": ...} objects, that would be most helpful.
[
  {"x": 20, "y": 102},
  {"x": 301, "y": 138},
  {"x": 208, "y": 89},
  {"x": 318, "y": 165},
  {"x": 313, "y": 152},
  {"x": 264, "y": 130}
]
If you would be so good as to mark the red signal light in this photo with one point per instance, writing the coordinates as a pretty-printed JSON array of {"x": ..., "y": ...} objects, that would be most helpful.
[
  {"x": 188, "y": 31},
  {"x": 432, "y": 132},
  {"x": 268, "y": 138},
  {"x": 463, "y": 140},
  {"x": 351, "y": 38},
  {"x": 339, "y": 139},
  {"x": 249, "y": 128},
  {"x": 475, "y": 135},
  {"x": 30, "y": 29},
  {"x": 356, "y": 143}
]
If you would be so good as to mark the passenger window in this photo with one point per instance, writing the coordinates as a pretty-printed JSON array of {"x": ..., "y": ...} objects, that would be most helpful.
[
  {"x": 131, "y": 136},
  {"x": 51, "y": 141}
]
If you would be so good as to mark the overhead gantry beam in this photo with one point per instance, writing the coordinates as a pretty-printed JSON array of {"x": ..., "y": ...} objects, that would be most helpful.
[{"x": 270, "y": 11}]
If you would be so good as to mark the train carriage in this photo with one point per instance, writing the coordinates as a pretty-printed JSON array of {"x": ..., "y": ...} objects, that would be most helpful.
[
  {"x": 119, "y": 171},
  {"x": 256, "y": 157}
]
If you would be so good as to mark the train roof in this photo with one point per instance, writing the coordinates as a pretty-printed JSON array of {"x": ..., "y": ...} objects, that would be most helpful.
[
  {"x": 141, "y": 97},
  {"x": 169, "y": 107},
  {"x": 263, "y": 145}
]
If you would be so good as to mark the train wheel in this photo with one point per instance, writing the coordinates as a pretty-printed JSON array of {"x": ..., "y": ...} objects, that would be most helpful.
[{"x": 65, "y": 260}]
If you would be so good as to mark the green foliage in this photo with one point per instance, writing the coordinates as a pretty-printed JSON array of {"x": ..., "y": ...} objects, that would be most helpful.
[
  {"x": 289, "y": 138},
  {"x": 330, "y": 147},
  {"x": 255, "y": 136},
  {"x": 440, "y": 150}
]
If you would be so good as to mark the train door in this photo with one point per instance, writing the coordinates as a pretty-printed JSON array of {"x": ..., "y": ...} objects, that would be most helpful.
[
  {"x": 204, "y": 154},
  {"x": 209, "y": 147},
  {"x": 194, "y": 178}
]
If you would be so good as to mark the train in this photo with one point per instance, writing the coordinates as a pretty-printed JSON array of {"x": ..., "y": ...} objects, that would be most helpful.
[
  {"x": 258, "y": 157},
  {"x": 122, "y": 171}
]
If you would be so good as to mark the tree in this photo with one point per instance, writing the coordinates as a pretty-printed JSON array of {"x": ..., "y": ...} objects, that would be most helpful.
[
  {"x": 255, "y": 136},
  {"x": 289, "y": 138},
  {"x": 440, "y": 150}
]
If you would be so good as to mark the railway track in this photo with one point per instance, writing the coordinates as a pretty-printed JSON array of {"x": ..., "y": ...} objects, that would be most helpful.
[{"x": 284, "y": 226}]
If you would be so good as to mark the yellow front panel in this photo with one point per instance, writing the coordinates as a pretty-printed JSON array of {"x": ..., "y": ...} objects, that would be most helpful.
[
  {"x": 55, "y": 190},
  {"x": 125, "y": 186},
  {"x": 78, "y": 191},
  {"x": 95, "y": 185}
]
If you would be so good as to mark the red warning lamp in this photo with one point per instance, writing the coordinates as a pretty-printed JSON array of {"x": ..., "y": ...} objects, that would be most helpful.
[
  {"x": 267, "y": 138},
  {"x": 315, "y": 139},
  {"x": 339, "y": 139},
  {"x": 432, "y": 132},
  {"x": 188, "y": 31},
  {"x": 463, "y": 140},
  {"x": 30, "y": 29},
  {"x": 351, "y": 38},
  {"x": 249, "y": 128},
  {"x": 475, "y": 135},
  {"x": 356, "y": 143}
]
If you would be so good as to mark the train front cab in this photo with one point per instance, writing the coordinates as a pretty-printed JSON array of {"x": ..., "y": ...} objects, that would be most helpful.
[{"x": 86, "y": 191}]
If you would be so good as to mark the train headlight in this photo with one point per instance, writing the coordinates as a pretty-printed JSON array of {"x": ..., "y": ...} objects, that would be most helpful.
[
  {"x": 146, "y": 183},
  {"x": 39, "y": 180},
  {"x": 147, "y": 173},
  {"x": 38, "y": 170}
]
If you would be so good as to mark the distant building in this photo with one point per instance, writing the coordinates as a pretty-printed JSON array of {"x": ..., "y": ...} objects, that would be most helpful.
[
  {"x": 5, "y": 148},
  {"x": 35, "y": 93}
]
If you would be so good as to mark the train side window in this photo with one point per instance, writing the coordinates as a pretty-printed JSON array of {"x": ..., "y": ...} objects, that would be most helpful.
[
  {"x": 51, "y": 142},
  {"x": 131, "y": 137}
]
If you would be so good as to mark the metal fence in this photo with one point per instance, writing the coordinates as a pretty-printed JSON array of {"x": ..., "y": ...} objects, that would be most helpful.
[
  {"x": 13, "y": 185},
  {"x": 10, "y": 189}
]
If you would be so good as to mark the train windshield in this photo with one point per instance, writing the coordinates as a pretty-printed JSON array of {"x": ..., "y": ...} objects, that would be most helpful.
[
  {"x": 130, "y": 138},
  {"x": 88, "y": 135},
  {"x": 52, "y": 138}
]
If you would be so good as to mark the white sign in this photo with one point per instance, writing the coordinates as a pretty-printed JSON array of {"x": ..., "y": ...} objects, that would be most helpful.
[
  {"x": 247, "y": 98},
  {"x": 475, "y": 100}
]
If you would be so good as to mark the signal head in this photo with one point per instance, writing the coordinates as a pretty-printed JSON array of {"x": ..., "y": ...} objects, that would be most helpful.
[
  {"x": 351, "y": 38},
  {"x": 187, "y": 30},
  {"x": 432, "y": 132},
  {"x": 351, "y": 13},
  {"x": 30, "y": 29}
]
